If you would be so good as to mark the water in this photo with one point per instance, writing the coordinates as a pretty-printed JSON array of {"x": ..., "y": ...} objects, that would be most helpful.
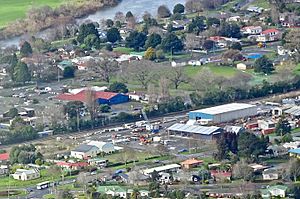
[{"x": 137, "y": 7}]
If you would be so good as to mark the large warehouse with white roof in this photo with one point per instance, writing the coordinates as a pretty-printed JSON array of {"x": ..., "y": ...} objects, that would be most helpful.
[{"x": 224, "y": 113}]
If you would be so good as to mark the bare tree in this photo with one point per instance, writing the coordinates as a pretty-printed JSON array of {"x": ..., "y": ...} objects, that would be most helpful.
[
  {"x": 141, "y": 71},
  {"x": 177, "y": 76},
  {"x": 90, "y": 101},
  {"x": 106, "y": 68}
]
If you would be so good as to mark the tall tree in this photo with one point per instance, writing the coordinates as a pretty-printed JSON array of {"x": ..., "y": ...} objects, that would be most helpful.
[
  {"x": 26, "y": 49},
  {"x": 21, "y": 73}
]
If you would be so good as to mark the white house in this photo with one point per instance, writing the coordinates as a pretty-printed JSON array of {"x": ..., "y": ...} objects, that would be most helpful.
[
  {"x": 24, "y": 174},
  {"x": 103, "y": 146},
  {"x": 84, "y": 151},
  {"x": 251, "y": 30},
  {"x": 270, "y": 174}
]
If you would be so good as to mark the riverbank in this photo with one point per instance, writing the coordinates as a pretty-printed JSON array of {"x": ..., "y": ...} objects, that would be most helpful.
[{"x": 44, "y": 16}]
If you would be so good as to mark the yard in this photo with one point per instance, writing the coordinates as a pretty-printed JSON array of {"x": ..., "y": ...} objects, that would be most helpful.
[
  {"x": 45, "y": 176},
  {"x": 11, "y": 10}
]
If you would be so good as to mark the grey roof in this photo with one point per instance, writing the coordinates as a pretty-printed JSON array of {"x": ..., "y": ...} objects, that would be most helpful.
[
  {"x": 293, "y": 111},
  {"x": 225, "y": 108},
  {"x": 84, "y": 148},
  {"x": 206, "y": 130}
]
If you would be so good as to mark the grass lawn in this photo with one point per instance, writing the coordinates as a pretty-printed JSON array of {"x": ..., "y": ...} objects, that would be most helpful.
[
  {"x": 123, "y": 50},
  {"x": 261, "y": 3},
  {"x": 226, "y": 71},
  {"x": 10, "y": 10},
  {"x": 45, "y": 176}
]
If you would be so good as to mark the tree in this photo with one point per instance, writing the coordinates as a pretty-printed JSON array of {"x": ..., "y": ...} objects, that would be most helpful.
[
  {"x": 26, "y": 49},
  {"x": 153, "y": 40},
  {"x": 69, "y": 72},
  {"x": 236, "y": 46},
  {"x": 241, "y": 170},
  {"x": 163, "y": 11},
  {"x": 150, "y": 54},
  {"x": 21, "y": 73},
  {"x": 13, "y": 112},
  {"x": 178, "y": 8},
  {"x": 230, "y": 30},
  {"x": 85, "y": 30},
  {"x": 177, "y": 76},
  {"x": 263, "y": 65},
  {"x": 106, "y": 68},
  {"x": 193, "y": 6},
  {"x": 109, "y": 23},
  {"x": 283, "y": 127},
  {"x": 171, "y": 43},
  {"x": 136, "y": 40},
  {"x": 118, "y": 87},
  {"x": 208, "y": 45},
  {"x": 113, "y": 35},
  {"x": 197, "y": 25},
  {"x": 251, "y": 145}
]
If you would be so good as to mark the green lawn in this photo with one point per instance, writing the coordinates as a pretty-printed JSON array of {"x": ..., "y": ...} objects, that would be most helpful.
[
  {"x": 45, "y": 176},
  {"x": 10, "y": 10},
  {"x": 261, "y": 3},
  {"x": 226, "y": 71}
]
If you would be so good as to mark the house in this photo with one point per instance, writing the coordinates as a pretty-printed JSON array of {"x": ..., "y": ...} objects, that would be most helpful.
[
  {"x": 24, "y": 174},
  {"x": 294, "y": 152},
  {"x": 270, "y": 174},
  {"x": 165, "y": 168},
  {"x": 73, "y": 165},
  {"x": 274, "y": 191},
  {"x": 4, "y": 170},
  {"x": 221, "y": 175},
  {"x": 100, "y": 97},
  {"x": 251, "y": 30},
  {"x": 269, "y": 35},
  {"x": 84, "y": 151},
  {"x": 191, "y": 163},
  {"x": 113, "y": 191},
  {"x": 4, "y": 157},
  {"x": 103, "y": 146}
]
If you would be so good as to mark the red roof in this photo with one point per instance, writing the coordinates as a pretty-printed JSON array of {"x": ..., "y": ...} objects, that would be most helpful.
[
  {"x": 220, "y": 173},
  {"x": 4, "y": 156},
  {"x": 268, "y": 31},
  {"x": 69, "y": 164},
  {"x": 81, "y": 96}
]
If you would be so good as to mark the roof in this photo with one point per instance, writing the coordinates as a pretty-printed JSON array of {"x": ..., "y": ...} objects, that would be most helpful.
[
  {"x": 27, "y": 172},
  {"x": 191, "y": 162},
  {"x": 104, "y": 189},
  {"x": 295, "y": 110},
  {"x": 206, "y": 130},
  {"x": 4, "y": 156},
  {"x": 296, "y": 151},
  {"x": 84, "y": 148},
  {"x": 81, "y": 96},
  {"x": 269, "y": 31},
  {"x": 161, "y": 168},
  {"x": 225, "y": 108},
  {"x": 282, "y": 187}
]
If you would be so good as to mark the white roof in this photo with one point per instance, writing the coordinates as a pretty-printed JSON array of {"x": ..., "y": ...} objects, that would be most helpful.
[
  {"x": 162, "y": 168},
  {"x": 225, "y": 108},
  {"x": 206, "y": 130}
]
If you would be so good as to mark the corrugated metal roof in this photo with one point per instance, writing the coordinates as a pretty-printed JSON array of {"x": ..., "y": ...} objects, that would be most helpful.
[
  {"x": 206, "y": 130},
  {"x": 225, "y": 108},
  {"x": 293, "y": 111}
]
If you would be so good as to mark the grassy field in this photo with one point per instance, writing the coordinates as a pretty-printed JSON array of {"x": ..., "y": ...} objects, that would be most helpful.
[{"x": 10, "y": 10}]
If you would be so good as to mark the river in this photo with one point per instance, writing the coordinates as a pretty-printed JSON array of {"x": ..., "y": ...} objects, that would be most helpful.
[{"x": 137, "y": 7}]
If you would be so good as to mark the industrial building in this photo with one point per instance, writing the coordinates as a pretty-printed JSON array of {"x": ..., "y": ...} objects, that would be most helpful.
[
  {"x": 224, "y": 113},
  {"x": 195, "y": 131}
]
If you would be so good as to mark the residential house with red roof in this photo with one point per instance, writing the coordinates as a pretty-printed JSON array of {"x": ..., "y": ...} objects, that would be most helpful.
[
  {"x": 269, "y": 35},
  {"x": 100, "y": 96}
]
